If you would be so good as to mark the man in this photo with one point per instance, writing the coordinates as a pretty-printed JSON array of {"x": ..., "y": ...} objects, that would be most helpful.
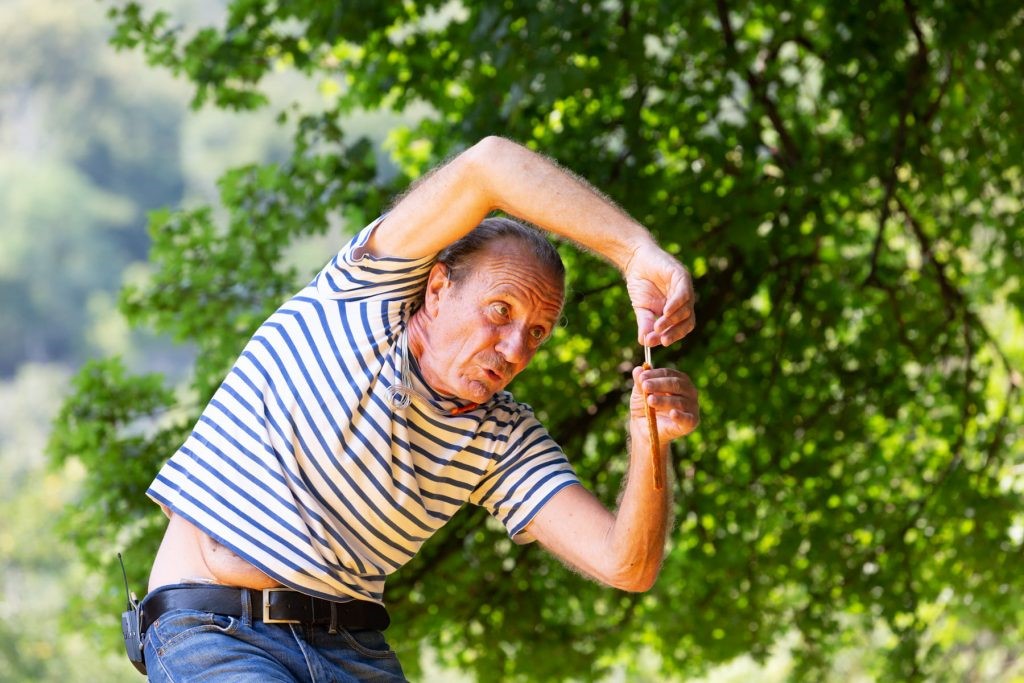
[{"x": 370, "y": 407}]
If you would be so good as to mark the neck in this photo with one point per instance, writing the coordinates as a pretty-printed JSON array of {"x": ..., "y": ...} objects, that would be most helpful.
[
  {"x": 419, "y": 341},
  {"x": 417, "y": 331}
]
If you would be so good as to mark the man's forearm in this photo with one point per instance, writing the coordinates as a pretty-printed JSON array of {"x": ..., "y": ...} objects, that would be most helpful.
[
  {"x": 624, "y": 548},
  {"x": 530, "y": 186},
  {"x": 637, "y": 537},
  {"x": 497, "y": 174}
]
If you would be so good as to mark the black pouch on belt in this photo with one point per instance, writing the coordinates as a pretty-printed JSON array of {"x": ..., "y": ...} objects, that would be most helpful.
[
  {"x": 130, "y": 625},
  {"x": 133, "y": 639}
]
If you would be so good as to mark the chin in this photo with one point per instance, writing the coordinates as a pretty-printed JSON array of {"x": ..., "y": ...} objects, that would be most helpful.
[
  {"x": 480, "y": 397},
  {"x": 478, "y": 393}
]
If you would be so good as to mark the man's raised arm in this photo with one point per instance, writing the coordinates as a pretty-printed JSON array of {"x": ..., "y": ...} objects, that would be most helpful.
[
  {"x": 497, "y": 174},
  {"x": 624, "y": 548}
]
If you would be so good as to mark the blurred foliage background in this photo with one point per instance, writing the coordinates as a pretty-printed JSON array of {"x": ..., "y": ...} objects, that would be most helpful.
[{"x": 843, "y": 179}]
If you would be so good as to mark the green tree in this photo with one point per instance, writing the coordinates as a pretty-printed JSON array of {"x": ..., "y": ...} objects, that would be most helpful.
[
  {"x": 844, "y": 180},
  {"x": 90, "y": 141},
  {"x": 87, "y": 146},
  {"x": 41, "y": 574}
]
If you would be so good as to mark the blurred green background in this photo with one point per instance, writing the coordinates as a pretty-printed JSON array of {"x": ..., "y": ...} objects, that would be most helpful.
[{"x": 844, "y": 179}]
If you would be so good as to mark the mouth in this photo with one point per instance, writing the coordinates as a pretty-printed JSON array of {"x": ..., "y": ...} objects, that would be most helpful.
[{"x": 492, "y": 375}]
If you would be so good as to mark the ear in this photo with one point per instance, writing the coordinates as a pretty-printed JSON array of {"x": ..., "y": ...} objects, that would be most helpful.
[{"x": 437, "y": 281}]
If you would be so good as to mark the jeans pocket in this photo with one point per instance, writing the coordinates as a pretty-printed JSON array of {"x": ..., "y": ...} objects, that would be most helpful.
[
  {"x": 367, "y": 642},
  {"x": 178, "y": 626}
]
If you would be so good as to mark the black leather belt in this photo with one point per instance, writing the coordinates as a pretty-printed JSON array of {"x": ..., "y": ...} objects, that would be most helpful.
[{"x": 271, "y": 606}]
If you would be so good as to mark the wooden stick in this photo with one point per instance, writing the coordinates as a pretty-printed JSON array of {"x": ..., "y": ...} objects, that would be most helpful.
[{"x": 652, "y": 426}]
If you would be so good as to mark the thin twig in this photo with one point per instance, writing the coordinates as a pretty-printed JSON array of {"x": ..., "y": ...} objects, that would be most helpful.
[{"x": 915, "y": 74}]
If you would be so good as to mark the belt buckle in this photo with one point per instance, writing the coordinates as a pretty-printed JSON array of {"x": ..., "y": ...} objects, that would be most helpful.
[{"x": 267, "y": 619}]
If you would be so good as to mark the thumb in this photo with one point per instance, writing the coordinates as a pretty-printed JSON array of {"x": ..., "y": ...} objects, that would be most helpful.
[{"x": 644, "y": 322}]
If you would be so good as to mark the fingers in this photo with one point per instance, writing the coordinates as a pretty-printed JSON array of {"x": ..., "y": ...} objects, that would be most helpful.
[
  {"x": 679, "y": 295},
  {"x": 677, "y": 421},
  {"x": 683, "y": 423},
  {"x": 672, "y": 318},
  {"x": 665, "y": 382},
  {"x": 670, "y": 329},
  {"x": 666, "y": 329},
  {"x": 645, "y": 321},
  {"x": 674, "y": 405},
  {"x": 673, "y": 396}
]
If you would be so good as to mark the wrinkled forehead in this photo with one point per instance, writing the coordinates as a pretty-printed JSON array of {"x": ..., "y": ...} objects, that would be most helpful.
[{"x": 509, "y": 266}]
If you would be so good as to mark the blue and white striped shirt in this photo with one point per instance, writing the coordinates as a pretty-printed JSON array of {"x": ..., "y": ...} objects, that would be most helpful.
[{"x": 301, "y": 465}]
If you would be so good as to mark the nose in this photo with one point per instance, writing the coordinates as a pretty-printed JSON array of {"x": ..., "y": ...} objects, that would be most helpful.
[{"x": 514, "y": 347}]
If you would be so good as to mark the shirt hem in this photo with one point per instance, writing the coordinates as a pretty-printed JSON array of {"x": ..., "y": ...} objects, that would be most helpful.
[{"x": 276, "y": 576}]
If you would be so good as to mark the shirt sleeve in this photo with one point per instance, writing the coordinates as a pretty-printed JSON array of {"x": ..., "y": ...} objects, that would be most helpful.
[
  {"x": 532, "y": 470},
  {"x": 354, "y": 274}
]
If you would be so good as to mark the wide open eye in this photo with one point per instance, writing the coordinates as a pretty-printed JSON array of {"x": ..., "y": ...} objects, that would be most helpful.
[
  {"x": 538, "y": 334},
  {"x": 501, "y": 309}
]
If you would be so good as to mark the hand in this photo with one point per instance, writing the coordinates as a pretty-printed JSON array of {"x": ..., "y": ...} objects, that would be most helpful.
[
  {"x": 661, "y": 292},
  {"x": 672, "y": 395}
]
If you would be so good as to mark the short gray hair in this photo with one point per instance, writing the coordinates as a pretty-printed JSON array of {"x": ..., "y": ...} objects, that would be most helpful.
[{"x": 460, "y": 255}]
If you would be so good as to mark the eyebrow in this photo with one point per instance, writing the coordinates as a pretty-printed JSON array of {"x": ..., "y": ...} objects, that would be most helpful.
[{"x": 509, "y": 291}]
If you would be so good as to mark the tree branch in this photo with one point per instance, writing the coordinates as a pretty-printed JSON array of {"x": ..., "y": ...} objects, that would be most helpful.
[
  {"x": 791, "y": 154},
  {"x": 952, "y": 296},
  {"x": 579, "y": 295},
  {"x": 916, "y": 72}
]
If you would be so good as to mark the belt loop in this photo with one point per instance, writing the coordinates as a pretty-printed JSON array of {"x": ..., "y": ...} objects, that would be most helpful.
[
  {"x": 246, "y": 607},
  {"x": 333, "y": 629}
]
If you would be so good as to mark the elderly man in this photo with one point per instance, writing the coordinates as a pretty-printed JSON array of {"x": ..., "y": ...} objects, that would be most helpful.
[{"x": 371, "y": 406}]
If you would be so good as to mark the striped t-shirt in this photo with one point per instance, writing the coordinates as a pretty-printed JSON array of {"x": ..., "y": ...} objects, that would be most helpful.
[{"x": 302, "y": 465}]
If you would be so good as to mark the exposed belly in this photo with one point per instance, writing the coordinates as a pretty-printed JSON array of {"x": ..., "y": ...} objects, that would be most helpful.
[{"x": 187, "y": 554}]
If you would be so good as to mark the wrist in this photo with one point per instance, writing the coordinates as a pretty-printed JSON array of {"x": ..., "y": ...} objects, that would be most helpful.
[
  {"x": 630, "y": 253},
  {"x": 640, "y": 434}
]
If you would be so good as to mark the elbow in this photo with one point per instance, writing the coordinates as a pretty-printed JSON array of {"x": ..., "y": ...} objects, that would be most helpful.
[
  {"x": 646, "y": 582},
  {"x": 490, "y": 145},
  {"x": 631, "y": 569},
  {"x": 635, "y": 579},
  {"x": 475, "y": 168},
  {"x": 483, "y": 153},
  {"x": 487, "y": 154},
  {"x": 633, "y": 585},
  {"x": 639, "y": 585}
]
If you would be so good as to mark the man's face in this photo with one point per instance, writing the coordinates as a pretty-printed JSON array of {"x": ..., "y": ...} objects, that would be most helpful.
[{"x": 484, "y": 329}]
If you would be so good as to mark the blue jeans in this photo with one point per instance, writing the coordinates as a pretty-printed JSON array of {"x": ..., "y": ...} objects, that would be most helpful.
[{"x": 187, "y": 645}]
